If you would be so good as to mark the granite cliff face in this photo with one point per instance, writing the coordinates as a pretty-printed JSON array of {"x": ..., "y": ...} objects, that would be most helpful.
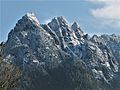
[{"x": 59, "y": 56}]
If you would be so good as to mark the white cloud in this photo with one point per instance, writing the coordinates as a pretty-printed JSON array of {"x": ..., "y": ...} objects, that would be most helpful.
[{"x": 109, "y": 13}]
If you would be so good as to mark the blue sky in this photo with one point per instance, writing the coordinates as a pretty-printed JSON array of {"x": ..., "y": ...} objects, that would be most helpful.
[{"x": 92, "y": 16}]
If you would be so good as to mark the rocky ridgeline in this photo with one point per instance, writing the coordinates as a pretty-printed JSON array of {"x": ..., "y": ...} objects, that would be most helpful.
[{"x": 59, "y": 56}]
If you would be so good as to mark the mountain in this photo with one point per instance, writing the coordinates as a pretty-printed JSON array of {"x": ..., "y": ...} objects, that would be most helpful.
[{"x": 59, "y": 56}]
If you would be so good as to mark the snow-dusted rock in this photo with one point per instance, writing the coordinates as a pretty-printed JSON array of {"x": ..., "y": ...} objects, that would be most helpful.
[{"x": 61, "y": 45}]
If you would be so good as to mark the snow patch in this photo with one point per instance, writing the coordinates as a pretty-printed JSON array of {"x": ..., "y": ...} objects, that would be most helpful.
[
  {"x": 32, "y": 17},
  {"x": 35, "y": 61}
]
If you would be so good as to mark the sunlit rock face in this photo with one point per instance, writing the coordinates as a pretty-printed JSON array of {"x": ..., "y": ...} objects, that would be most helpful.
[{"x": 59, "y": 56}]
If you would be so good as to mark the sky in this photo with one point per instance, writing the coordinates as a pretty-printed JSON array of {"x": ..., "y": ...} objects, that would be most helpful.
[{"x": 94, "y": 16}]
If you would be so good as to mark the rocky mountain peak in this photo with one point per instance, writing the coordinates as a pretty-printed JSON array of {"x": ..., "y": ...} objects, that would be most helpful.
[
  {"x": 31, "y": 16},
  {"x": 62, "y": 21},
  {"x": 75, "y": 25},
  {"x": 76, "y": 28},
  {"x": 61, "y": 52},
  {"x": 28, "y": 20}
]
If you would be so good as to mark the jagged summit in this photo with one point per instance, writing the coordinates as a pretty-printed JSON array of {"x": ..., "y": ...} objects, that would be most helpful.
[
  {"x": 26, "y": 23},
  {"x": 60, "y": 53},
  {"x": 76, "y": 28},
  {"x": 61, "y": 21},
  {"x": 75, "y": 24},
  {"x": 32, "y": 17},
  {"x": 28, "y": 19}
]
